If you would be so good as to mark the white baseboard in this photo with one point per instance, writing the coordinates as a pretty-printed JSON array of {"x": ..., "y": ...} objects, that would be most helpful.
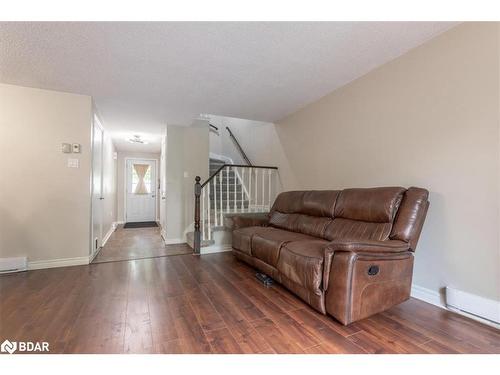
[
  {"x": 110, "y": 232},
  {"x": 479, "y": 305},
  {"x": 94, "y": 254},
  {"x": 53, "y": 263},
  {"x": 426, "y": 295},
  {"x": 215, "y": 249},
  {"x": 173, "y": 241}
]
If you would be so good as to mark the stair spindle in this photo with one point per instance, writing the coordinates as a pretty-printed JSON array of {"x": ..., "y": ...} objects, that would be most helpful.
[
  {"x": 235, "y": 204},
  {"x": 227, "y": 189},
  {"x": 241, "y": 183},
  {"x": 216, "y": 216},
  {"x": 220, "y": 196},
  {"x": 203, "y": 214},
  {"x": 209, "y": 229},
  {"x": 263, "y": 189},
  {"x": 269, "y": 174},
  {"x": 256, "y": 188},
  {"x": 250, "y": 172}
]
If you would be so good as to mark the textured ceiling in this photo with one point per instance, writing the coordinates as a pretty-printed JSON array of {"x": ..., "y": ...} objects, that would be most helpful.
[{"x": 145, "y": 75}]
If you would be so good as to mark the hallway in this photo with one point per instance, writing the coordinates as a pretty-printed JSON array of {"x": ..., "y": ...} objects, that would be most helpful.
[{"x": 137, "y": 243}]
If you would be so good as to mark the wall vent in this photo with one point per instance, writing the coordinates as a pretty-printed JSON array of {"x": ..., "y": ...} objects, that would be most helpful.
[{"x": 18, "y": 264}]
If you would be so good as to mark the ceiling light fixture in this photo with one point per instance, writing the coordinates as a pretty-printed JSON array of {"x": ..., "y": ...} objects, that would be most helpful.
[{"x": 137, "y": 139}]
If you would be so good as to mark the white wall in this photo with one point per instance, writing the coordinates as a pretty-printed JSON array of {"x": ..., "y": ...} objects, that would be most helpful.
[
  {"x": 121, "y": 177},
  {"x": 187, "y": 157},
  {"x": 258, "y": 139},
  {"x": 44, "y": 205},
  {"x": 110, "y": 165},
  {"x": 430, "y": 118}
]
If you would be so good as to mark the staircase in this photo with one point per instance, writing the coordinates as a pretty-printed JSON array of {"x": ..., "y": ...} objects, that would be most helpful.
[
  {"x": 231, "y": 195},
  {"x": 227, "y": 197},
  {"x": 230, "y": 190}
]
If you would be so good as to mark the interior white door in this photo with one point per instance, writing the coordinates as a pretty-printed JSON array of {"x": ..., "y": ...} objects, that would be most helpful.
[
  {"x": 141, "y": 190},
  {"x": 163, "y": 186},
  {"x": 97, "y": 180}
]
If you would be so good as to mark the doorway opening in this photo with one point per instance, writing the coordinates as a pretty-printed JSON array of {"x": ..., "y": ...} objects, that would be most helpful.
[
  {"x": 137, "y": 235},
  {"x": 140, "y": 191}
]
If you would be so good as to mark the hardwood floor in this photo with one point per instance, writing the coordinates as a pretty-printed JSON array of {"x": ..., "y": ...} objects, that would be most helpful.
[
  {"x": 137, "y": 243},
  {"x": 209, "y": 304}
]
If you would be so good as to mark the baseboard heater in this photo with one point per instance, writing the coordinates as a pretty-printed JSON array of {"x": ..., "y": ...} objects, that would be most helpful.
[
  {"x": 475, "y": 305},
  {"x": 18, "y": 264}
]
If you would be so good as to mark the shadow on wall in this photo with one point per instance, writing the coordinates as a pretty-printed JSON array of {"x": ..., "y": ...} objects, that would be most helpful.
[{"x": 428, "y": 266}]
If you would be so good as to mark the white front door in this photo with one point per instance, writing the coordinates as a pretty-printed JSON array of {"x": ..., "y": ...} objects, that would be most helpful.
[{"x": 141, "y": 190}]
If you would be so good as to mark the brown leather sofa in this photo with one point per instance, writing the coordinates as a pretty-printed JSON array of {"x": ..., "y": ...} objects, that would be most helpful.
[{"x": 347, "y": 253}]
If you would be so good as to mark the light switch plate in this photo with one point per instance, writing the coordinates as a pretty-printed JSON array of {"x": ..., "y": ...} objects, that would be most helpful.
[
  {"x": 66, "y": 148},
  {"x": 186, "y": 174},
  {"x": 76, "y": 148},
  {"x": 73, "y": 163}
]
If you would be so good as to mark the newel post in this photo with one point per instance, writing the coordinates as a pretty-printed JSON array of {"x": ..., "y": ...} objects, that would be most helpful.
[{"x": 197, "y": 233}]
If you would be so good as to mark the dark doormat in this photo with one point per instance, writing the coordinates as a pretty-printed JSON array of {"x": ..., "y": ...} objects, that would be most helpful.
[{"x": 141, "y": 224}]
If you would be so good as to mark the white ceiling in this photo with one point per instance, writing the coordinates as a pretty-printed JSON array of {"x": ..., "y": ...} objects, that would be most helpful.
[{"x": 144, "y": 75}]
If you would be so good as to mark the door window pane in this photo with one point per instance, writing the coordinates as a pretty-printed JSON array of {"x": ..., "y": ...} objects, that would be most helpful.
[{"x": 141, "y": 179}]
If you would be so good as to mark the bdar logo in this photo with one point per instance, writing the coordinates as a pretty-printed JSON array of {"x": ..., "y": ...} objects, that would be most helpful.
[
  {"x": 8, "y": 347},
  {"x": 24, "y": 346}
]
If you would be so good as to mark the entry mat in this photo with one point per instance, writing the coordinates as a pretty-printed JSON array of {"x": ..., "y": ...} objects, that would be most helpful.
[{"x": 141, "y": 224}]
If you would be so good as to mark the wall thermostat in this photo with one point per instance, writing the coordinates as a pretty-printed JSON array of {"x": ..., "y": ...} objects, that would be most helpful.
[{"x": 76, "y": 148}]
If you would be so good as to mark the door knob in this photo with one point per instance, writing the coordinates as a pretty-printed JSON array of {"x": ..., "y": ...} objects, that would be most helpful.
[{"x": 101, "y": 198}]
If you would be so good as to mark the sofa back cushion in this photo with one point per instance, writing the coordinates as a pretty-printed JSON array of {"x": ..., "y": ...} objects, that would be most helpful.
[
  {"x": 347, "y": 229},
  {"x": 410, "y": 217},
  {"x": 307, "y": 212},
  {"x": 348, "y": 214},
  {"x": 376, "y": 205},
  {"x": 365, "y": 214}
]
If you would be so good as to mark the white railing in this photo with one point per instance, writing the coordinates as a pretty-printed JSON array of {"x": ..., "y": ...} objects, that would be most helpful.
[{"x": 232, "y": 189}]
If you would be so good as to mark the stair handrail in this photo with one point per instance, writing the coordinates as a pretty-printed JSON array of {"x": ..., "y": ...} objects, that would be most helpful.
[
  {"x": 238, "y": 146},
  {"x": 198, "y": 187},
  {"x": 235, "y": 166}
]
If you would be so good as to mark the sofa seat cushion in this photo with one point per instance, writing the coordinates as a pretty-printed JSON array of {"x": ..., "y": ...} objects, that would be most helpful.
[
  {"x": 242, "y": 238},
  {"x": 267, "y": 243},
  {"x": 302, "y": 262}
]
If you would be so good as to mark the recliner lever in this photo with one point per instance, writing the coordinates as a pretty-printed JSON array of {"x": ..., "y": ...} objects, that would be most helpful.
[{"x": 373, "y": 270}]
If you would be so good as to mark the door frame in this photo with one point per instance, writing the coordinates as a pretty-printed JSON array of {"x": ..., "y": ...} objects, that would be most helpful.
[
  {"x": 95, "y": 121},
  {"x": 125, "y": 178}
]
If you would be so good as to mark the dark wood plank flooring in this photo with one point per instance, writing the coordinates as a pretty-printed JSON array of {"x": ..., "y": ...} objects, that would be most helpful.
[
  {"x": 138, "y": 243},
  {"x": 209, "y": 304}
]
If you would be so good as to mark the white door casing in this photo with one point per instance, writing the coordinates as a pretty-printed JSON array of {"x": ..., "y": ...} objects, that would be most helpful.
[
  {"x": 163, "y": 186},
  {"x": 140, "y": 205},
  {"x": 97, "y": 185}
]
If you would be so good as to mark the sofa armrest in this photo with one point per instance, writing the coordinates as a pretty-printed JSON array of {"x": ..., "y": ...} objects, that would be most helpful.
[
  {"x": 390, "y": 249},
  {"x": 357, "y": 273},
  {"x": 368, "y": 246},
  {"x": 254, "y": 220}
]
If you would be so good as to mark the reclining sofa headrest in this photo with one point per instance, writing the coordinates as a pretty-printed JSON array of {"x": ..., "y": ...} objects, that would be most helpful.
[{"x": 383, "y": 212}]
